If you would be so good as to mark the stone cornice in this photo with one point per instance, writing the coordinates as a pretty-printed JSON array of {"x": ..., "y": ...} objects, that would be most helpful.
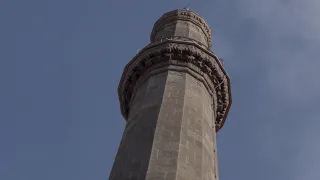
[
  {"x": 184, "y": 15},
  {"x": 177, "y": 52}
]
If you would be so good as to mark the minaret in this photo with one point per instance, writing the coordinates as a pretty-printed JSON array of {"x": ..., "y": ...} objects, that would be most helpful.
[{"x": 174, "y": 95}]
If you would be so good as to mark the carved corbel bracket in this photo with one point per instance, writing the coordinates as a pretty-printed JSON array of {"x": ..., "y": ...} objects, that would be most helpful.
[{"x": 180, "y": 53}]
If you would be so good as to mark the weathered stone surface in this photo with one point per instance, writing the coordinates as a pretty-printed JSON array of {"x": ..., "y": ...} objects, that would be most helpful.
[
  {"x": 173, "y": 133},
  {"x": 136, "y": 145},
  {"x": 182, "y": 24},
  {"x": 175, "y": 96}
]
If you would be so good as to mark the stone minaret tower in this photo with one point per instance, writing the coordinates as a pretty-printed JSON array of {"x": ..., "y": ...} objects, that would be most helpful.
[{"x": 175, "y": 95}]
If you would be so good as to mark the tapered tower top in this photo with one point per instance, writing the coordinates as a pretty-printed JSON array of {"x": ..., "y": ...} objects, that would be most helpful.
[
  {"x": 182, "y": 24},
  {"x": 182, "y": 38}
]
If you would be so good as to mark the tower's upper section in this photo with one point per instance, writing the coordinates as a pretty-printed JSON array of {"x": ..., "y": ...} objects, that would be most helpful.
[
  {"x": 179, "y": 39},
  {"x": 183, "y": 25}
]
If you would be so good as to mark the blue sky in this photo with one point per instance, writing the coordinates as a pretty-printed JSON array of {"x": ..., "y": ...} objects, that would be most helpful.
[{"x": 61, "y": 61}]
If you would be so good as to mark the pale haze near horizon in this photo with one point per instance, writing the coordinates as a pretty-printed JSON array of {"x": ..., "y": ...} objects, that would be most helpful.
[{"x": 61, "y": 61}]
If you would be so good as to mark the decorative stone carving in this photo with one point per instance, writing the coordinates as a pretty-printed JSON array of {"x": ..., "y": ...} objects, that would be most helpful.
[
  {"x": 183, "y": 39},
  {"x": 183, "y": 15},
  {"x": 181, "y": 53}
]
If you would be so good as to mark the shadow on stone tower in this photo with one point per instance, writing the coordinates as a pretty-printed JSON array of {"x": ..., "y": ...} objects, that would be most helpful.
[{"x": 175, "y": 95}]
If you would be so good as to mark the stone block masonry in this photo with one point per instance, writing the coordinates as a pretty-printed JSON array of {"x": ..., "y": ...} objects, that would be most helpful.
[{"x": 175, "y": 96}]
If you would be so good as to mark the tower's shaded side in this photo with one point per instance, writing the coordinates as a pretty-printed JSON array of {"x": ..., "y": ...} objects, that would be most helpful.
[{"x": 175, "y": 96}]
